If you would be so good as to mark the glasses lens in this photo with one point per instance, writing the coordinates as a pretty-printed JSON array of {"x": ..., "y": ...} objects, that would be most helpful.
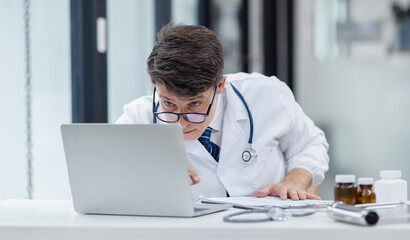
[
  {"x": 195, "y": 118},
  {"x": 167, "y": 117}
]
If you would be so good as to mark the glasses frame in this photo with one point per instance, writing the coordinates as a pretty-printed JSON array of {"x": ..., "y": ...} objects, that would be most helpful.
[{"x": 184, "y": 115}]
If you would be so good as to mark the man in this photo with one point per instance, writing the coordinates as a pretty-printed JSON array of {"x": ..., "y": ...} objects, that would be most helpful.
[{"x": 221, "y": 115}]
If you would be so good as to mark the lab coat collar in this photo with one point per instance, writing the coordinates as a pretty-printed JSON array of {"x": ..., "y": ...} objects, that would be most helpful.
[{"x": 234, "y": 105}]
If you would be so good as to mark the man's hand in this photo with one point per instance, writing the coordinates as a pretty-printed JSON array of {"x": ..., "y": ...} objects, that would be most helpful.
[
  {"x": 193, "y": 176},
  {"x": 294, "y": 186},
  {"x": 285, "y": 190}
]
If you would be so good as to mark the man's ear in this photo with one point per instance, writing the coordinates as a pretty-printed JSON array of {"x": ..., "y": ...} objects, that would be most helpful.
[{"x": 221, "y": 85}]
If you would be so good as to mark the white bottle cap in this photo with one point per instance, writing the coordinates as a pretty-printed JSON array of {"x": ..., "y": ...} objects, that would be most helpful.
[
  {"x": 365, "y": 181},
  {"x": 390, "y": 174},
  {"x": 345, "y": 178}
]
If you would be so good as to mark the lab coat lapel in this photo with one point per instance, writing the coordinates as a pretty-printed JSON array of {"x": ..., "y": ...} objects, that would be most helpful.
[
  {"x": 196, "y": 148},
  {"x": 234, "y": 124}
]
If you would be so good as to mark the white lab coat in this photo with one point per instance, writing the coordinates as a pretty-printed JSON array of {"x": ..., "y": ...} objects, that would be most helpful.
[{"x": 284, "y": 137}]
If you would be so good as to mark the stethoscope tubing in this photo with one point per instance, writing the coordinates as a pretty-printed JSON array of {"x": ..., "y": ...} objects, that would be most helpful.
[{"x": 249, "y": 113}]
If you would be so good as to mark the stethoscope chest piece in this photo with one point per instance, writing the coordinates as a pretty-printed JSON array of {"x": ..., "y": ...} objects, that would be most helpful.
[{"x": 250, "y": 156}]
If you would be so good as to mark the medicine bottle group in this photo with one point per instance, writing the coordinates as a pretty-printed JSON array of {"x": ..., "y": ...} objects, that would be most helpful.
[{"x": 390, "y": 188}]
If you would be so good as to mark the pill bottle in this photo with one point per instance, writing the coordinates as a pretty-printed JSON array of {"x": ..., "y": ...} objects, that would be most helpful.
[
  {"x": 345, "y": 189},
  {"x": 390, "y": 188},
  {"x": 365, "y": 193}
]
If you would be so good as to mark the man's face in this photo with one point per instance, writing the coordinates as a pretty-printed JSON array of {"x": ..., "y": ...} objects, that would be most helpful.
[{"x": 198, "y": 104}]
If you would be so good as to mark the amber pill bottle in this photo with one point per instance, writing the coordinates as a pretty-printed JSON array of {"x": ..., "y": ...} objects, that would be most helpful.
[
  {"x": 345, "y": 189},
  {"x": 365, "y": 193}
]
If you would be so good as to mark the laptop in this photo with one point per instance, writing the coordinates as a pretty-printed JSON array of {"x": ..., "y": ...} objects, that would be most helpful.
[{"x": 130, "y": 170}]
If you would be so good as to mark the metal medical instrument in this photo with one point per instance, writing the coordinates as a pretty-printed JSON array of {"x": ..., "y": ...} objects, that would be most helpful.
[
  {"x": 273, "y": 214},
  {"x": 340, "y": 211}
]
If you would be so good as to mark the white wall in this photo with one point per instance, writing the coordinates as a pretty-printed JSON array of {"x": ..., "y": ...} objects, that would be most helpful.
[
  {"x": 51, "y": 95},
  {"x": 130, "y": 40},
  {"x": 362, "y": 102},
  {"x": 184, "y": 12}
]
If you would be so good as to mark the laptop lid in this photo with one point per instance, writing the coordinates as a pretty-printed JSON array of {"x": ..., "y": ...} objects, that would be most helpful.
[{"x": 128, "y": 169}]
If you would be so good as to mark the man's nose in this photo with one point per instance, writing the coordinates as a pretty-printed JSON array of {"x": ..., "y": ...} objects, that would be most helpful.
[{"x": 182, "y": 122}]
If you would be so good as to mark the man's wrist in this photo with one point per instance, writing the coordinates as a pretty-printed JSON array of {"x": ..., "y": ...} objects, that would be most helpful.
[{"x": 299, "y": 177}]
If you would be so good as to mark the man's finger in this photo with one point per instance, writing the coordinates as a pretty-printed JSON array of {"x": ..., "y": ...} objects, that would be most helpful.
[
  {"x": 265, "y": 191},
  {"x": 312, "y": 196},
  {"x": 302, "y": 195},
  {"x": 283, "y": 194},
  {"x": 293, "y": 195},
  {"x": 194, "y": 179}
]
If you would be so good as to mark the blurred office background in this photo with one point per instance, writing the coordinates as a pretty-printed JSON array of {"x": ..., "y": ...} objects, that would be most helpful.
[{"x": 347, "y": 61}]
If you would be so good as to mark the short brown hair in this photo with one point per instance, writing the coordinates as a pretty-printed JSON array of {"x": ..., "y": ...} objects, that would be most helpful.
[{"x": 186, "y": 60}]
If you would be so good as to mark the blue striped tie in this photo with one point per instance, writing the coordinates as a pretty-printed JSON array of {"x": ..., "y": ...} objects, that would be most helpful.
[{"x": 211, "y": 147}]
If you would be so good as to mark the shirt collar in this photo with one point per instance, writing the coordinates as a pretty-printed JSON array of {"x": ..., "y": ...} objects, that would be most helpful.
[{"x": 216, "y": 123}]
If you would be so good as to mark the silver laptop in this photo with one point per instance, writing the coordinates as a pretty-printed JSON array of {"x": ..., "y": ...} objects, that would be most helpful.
[{"x": 130, "y": 170}]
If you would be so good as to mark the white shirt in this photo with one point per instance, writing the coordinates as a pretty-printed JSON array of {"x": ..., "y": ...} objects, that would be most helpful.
[
  {"x": 216, "y": 124},
  {"x": 284, "y": 137}
]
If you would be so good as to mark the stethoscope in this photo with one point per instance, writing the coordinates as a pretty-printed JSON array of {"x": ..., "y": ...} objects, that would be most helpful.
[
  {"x": 249, "y": 155},
  {"x": 274, "y": 213}
]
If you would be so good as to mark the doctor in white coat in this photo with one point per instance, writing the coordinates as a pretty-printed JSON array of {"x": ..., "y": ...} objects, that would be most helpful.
[{"x": 186, "y": 67}]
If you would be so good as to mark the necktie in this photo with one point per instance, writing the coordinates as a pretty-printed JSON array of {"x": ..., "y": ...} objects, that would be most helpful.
[{"x": 211, "y": 147}]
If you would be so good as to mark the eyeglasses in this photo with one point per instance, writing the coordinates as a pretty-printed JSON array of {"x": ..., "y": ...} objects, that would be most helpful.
[{"x": 170, "y": 117}]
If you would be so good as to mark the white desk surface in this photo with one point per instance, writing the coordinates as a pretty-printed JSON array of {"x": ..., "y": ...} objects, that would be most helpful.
[{"x": 57, "y": 220}]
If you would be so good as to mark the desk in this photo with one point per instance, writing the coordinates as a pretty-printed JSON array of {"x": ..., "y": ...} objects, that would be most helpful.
[{"x": 57, "y": 220}]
